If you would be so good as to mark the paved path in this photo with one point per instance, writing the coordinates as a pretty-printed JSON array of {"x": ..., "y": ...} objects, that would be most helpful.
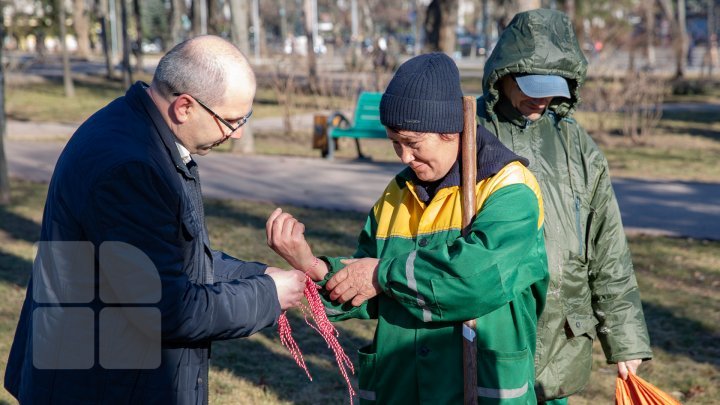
[{"x": 656, "y": 207}]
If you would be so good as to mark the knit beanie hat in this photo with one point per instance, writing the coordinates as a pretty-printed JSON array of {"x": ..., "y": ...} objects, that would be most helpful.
[{"x": 424, "y": 95}]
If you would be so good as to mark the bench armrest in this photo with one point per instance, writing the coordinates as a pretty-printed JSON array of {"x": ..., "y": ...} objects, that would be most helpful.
[{"x": 337, "y": 120}]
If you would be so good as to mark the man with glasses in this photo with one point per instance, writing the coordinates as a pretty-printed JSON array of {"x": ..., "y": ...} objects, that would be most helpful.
[
  {"x": 125, "y": 200},
  {"x": 531, "y": 87}
]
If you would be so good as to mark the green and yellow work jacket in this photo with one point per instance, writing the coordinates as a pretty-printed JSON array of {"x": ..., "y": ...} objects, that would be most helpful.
[{"x": 432, "y": 279}]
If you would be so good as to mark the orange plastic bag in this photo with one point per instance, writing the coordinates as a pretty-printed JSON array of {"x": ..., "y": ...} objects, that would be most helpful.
[{"x": 636, "y": 391}]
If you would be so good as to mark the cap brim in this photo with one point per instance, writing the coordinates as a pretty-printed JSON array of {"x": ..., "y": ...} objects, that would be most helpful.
[{"x": 541, "y": 86}]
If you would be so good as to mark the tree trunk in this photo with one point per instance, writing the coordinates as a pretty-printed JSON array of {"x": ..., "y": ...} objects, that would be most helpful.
[
  {"x": 127, "y": 71},
  {"x": 239, "y": 24},
  {"x": 177, "y": 11},
  {"x": 241, "y": 38},
  {"x": 440, "y": 23},
  {"x": 257, "y": 30},
  {"x": 711, "y": 52},
  {"x": 367, "y": 20},
  {"x": 312, "y": 63},
  {"x": 418, "y": 31},
  {"x": 682, "y": 40},
  {"x": 487, "y": 29},
  {"x": 4, "y": 180},
  {"x": 82, "y": 30},
  {"x": 199, "y": 17},
  {"x": 679, "y": 34},
  {"x": 216, "y": 18},
  {"x": 631, "y": 55},
  {"x": 101, "y": 10},
  {"x": 525, "y": 5},
  {"x": 575, "y": 15},
  {"x": 283, "y": 20},
  {"x": 137, "y": 49},
  {"x": 67, "y": 75},
  {"x": 650, "y": 33}
]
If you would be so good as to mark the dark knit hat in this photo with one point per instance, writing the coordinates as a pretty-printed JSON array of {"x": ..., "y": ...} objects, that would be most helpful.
[{"x": 424, "y": 95}]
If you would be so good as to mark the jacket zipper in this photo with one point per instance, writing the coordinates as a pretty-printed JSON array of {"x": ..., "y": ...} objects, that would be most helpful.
[{"x": 579, "y": 227}]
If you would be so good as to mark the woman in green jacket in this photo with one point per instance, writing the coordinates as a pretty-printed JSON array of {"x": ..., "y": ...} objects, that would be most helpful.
[
  {"x": 416, "y": 274},
  {"x": 530, "y": 89}
]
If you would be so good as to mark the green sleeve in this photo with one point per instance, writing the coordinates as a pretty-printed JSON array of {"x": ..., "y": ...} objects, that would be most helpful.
[
  {"x": 366, "y": 248},
  {"x": 615, "y": 294},
  {"x": 473, "y": 275}
]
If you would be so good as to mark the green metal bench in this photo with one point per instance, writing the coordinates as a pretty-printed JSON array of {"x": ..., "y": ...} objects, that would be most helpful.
[{"x": 366, "y": 124}]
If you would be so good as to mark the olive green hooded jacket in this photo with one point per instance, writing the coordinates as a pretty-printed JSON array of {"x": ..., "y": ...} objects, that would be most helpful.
[{"x": 593, "y": 293}]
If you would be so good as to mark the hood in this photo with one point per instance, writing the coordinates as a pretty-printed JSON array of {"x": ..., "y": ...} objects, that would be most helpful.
[{"x": 537, "y": 42}]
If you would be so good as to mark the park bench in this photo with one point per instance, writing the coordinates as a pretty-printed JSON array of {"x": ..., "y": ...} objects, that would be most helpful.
[{"x": 365, "y": 125}]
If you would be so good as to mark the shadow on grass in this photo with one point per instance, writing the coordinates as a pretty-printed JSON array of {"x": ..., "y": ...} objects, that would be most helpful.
[
  {"x": 274, "y": 372},
  {"x": 18, "y": 227},
  {"x": 703, "y": 117},
  {"x": 700, "y": 132},
  {"x": 15, "y": 270},
  {"x": 94, "y": 83},
  {"x": 681, "y": 336}
]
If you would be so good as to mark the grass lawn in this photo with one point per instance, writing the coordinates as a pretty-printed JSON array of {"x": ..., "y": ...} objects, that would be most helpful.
[
  {"x": 45, "y": 101},
  {"x": 679, "y": 279}
]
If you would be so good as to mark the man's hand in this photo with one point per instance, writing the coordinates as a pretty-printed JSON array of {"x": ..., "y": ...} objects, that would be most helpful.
[
  {"x": 630, "y": 366},
  {"x": 357, "y": 282},
  {"x": 290, "y": 285}
]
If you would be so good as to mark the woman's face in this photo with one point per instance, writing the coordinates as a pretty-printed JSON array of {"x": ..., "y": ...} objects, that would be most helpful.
[
  {"x": 531, "y": 108},
  {"x": 430, "y": 155}
]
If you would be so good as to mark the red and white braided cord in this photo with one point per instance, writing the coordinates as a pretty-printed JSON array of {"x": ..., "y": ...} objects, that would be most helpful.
[{"x": 324, "y": 327}]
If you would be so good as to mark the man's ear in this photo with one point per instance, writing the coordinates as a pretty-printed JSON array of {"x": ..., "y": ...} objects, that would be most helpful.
[{"x": 181, "y": 109}]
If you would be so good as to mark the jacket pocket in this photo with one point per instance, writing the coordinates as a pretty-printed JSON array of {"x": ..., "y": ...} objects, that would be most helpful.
[
  {"x": 505, "y": 377},
  {"x": 191, "y": 224},
  {"x": 366, "y": 375},
  {"x": 582, "y": 325}
]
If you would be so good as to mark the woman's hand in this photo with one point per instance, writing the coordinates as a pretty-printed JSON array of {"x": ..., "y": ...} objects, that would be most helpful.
[
  {"x": 356, "y": 283},
  {"x": 629, "y": 366},
  {"x": 286, "y": 236}
]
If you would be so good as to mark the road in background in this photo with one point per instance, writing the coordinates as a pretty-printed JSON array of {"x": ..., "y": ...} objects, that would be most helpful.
[{"x": 654, "y": 207}]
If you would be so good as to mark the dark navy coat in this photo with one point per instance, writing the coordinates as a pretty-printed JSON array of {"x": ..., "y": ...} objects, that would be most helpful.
[{"x": 120, "y": 179}]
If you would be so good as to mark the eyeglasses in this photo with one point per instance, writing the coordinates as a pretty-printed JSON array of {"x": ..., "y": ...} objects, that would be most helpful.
[{"x": 242, "y": 121}]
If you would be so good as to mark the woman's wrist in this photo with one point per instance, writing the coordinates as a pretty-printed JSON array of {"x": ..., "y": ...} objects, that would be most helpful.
[{"x": 317, "y": 270}]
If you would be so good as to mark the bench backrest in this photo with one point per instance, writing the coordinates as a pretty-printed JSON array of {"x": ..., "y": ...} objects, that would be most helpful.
[{"x": 367, "y": 112}]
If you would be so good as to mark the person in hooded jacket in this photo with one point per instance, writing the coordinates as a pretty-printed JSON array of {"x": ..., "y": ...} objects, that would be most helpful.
[
  {"x": 416, "y": 274},
  {"x": 531, "y": 87}
]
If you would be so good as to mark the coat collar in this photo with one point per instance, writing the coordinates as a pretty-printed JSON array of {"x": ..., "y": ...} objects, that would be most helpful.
[
  {"x": 492, "y": 156},
  {"x": 137, "y": 94}
]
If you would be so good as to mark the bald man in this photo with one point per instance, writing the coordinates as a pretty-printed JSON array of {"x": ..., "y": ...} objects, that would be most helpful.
[{"x": 126, "y": 294}]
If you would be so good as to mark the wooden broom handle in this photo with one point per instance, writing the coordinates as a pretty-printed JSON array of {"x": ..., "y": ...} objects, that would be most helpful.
[{"x": 468, "y": 148}]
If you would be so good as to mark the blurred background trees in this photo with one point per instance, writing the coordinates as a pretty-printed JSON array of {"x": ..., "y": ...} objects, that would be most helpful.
[
  {"x": 329, "y": 47},
  {"x": 461, "y": 28}
]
